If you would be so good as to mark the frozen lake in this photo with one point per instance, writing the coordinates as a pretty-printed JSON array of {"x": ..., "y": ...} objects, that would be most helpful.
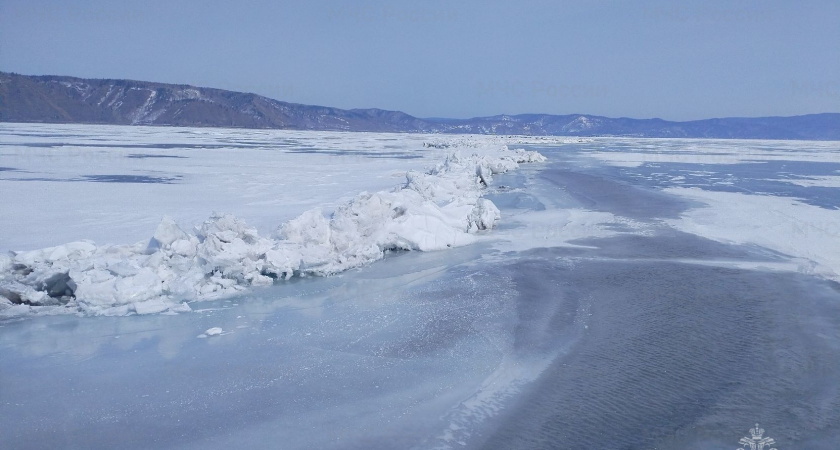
[
  {"x": 637, "y": 293},
  {"x": 112, "y": 184}
]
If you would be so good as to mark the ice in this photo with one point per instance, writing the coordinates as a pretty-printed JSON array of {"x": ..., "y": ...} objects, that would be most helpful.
[
  {"x": 783, "y": 224},
  {"x": 559, "y": 227},
  {"x": 151, "y": 306},
  {"x": 112, "y": 184},
  {"x": 168, "y": 233},
  {"x": 483, "y": 345},
  {"x": 799, "y": 221},
  {"x": 832, "y": 181},
  {"x": 434, "y": 210},
  {"x": 215, "y": 331},
  {"x": 629, "y": 152}
]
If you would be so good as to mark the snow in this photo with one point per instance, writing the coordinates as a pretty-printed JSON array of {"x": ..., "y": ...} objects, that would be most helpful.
[
  {"x": 806, "y": 232},
  {"x": 558, "y": 227},
  {"x": 832, "y": 181},
  {"x": 215, "y": 331},
  {"x": 632, "y": 152},
  {"x": 68, "y": 256},
  {"x": 424, "y": 349},
  {"x": 783, "y": 224},
  {"x": 58, "y": 174},
  {"x": 436, "y": 209}
]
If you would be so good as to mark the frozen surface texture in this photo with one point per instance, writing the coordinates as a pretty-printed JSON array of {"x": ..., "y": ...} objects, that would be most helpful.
[
  {"x": 809, "y": 233},
  {"x": 636, "y": 294},
  {"x": 435, "y": 209}
]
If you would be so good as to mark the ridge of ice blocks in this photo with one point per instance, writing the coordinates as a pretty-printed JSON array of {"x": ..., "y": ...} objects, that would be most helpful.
[{"x": 434, "y": 210}]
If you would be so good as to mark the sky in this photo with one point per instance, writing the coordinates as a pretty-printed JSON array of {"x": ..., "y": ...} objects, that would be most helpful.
[{"x": 680, "y": 60}]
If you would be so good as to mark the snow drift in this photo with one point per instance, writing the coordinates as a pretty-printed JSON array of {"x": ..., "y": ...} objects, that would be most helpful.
[{"x": 434, "y": 210}]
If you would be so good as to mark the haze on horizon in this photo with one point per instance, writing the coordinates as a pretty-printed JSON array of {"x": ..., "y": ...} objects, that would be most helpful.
[{"x": 692, "y": 60}]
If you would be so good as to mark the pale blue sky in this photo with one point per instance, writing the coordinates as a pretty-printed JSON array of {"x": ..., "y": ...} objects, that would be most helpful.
[{"x": 675, "y": 60}]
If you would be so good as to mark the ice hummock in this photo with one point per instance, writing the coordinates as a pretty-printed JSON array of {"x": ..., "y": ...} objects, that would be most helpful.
[{"x": 433, "y": 210}]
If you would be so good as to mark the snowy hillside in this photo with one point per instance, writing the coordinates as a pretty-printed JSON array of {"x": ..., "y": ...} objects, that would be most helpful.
[{"x": 59, "y": 99}]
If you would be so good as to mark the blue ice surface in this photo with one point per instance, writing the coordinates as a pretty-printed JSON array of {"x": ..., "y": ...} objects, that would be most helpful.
[
  {"x": 378, "y": 355},
  {"x": 754, "y": 175},
  {"x": 764, "y": 178}
]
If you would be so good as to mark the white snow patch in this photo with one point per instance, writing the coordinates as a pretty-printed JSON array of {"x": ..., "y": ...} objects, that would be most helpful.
[
  {"x": 783, "y": 224},
  {"x": 633, "y": 152},
  {"x": 434, "y": 210},
  {"x": 557, "y": 228},
  {"x": 832, "y": 181}
]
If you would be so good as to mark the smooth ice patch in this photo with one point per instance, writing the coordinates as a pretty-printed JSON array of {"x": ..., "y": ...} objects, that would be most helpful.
[{"x": 558, "y": 228}]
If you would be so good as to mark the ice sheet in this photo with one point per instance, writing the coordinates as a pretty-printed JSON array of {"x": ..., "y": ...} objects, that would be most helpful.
[
  {"x": 478, "y": 346},
  {"x": 817, "y": 181},
  {"x": 782, "y": 224},
  {"x": 434, "y": 209},
  {"x": 631, "y": 152},
  {"x": 113, "y": 184}
]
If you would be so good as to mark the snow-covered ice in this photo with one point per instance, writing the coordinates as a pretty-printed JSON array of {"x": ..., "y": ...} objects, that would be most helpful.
[
  {"x": 215, "y": 331},
  {"x": 633, "y": 152},
  {"x": 605, "y": 285},
  {"x": 741, "y": 191},
  {"x": 785, "y": 225},
  {"x": 435, "y": 209}
]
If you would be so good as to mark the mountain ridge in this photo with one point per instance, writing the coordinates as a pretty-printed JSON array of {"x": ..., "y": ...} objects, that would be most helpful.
[{"x": 65, "y": 99}]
